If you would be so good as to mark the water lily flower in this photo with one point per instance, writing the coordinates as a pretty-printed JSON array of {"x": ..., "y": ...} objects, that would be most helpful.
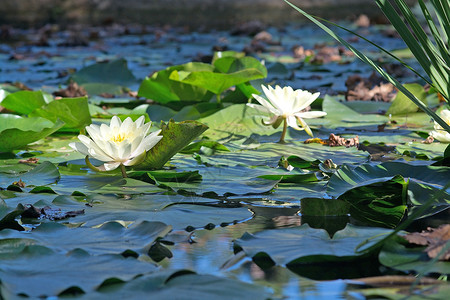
[
  {"x": 287, "y": 105},
  {"x": 440, "y": 133},
  {"x": 119, "y": 144}
]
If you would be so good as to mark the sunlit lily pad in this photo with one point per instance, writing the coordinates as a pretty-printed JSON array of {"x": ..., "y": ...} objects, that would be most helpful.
[{"x": 16, "y": 132}]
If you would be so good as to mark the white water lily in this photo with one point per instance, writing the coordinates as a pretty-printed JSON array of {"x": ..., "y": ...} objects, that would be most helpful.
[
  {"x": 119, "y": 144},
  {"x": 286, "y": 104},
  {"x": 439, "y": 133}
]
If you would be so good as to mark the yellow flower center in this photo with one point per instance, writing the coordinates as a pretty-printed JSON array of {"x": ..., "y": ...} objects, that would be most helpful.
[{"x": 118, "y": 138}]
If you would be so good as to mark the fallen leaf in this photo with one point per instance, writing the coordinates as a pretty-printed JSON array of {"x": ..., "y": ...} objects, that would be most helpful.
[
  {"x": 31, "y": 160},
  {"x": 434, "y": 238},
  {"x": 73, "y": 90}
]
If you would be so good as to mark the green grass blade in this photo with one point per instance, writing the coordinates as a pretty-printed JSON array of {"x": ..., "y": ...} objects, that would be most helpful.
[
  {"x": 440, "y": 42},
  {"x": 404, "y": 32},
  {"x": 420, "y": 45},
  {"x": 368, "y": 61},
  {"x": 443, "y": 13}
]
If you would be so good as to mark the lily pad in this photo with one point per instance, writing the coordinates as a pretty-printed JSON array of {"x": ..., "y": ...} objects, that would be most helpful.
[
  {"x": 111, "y": 72},
  {"x": 176, "y": 136},
  {"x": 16, "y": 132},
  {"x": 172, "y": 285},
  {"x": 43, "y": 174},
  {"x": 110, "y": 238},
  {"x": 162, "y": 89},
  {"x": 397, "y": 255},
  {"x": 306, "y": 245},
  {"x": 24, "y": 102},
  {"x": 74, "y": 112},
  {"x": 32, "y": 271}
]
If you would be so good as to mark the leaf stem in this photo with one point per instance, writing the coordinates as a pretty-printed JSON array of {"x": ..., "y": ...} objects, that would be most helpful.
[
  {"x": 283, "y": 134},
  {"x": 90, "y": 165},
  {"x": 218, "y": 99},
  {"x": 124, "y": 172}
]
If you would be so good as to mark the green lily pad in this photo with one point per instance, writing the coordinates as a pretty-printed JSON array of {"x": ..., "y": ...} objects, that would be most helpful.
[
  {"x": 16, "y": 132},
  {"x": 110, "y": 238},
  {"x": 112, "y": 72},
  {"x": 306, "y": 245},
  {"x": 74, "y": 112},
  {"x": 395, "y": 254},
  {"x": 43, "y": 174},
  {"x": 32, "y": 271},
  {"x": 160, "y": 88},
  {"x": 341, "y": 115},
  {"x": 234, "y": 71},
  {"x": 402, "y": 104},
  {"x": 176, "y": 136},
  {"x": 24, "y": 102},
  {"x": 172, "y": 285}
]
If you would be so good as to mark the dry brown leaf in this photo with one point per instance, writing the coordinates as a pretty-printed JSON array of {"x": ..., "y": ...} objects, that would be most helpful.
[
  {"x": 19, "y": 183},
  {"x": 73, "y": 90},
  {"x": 335, "y": 140},
  {"x": 31, "y": 160},
  {"x": 434, "y": 238},
  {"x": 369, "y": 89}
]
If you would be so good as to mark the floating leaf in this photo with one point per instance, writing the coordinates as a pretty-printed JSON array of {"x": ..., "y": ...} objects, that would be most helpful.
[
  {"x": 43, "y": 174},
  {"x": 74, "y": 112},
  {"x": 16, "y": 132},
  {"x": 24, "y": 102},
  {"x": 306, "y": 245},
  {"x": 110, "y": 238},
  {"x": 112, "y": 72},
  {"x": 32, "y": 271},
  {"x": 403, "y": 105},
  {"x": 160, "y": 88},
  {"x": 176, "y": 136}
]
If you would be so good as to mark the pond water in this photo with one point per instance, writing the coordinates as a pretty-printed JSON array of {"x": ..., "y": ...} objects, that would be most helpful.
[{"x": 211, "y": 218}]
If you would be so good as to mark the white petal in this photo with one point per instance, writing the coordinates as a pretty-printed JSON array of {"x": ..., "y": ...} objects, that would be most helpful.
[
  {"x": 93, "y": 149},
  {"x": 305, "y": 126},
  {"x": 274, "y": 100},
  {"x": 137, "y": 160},
  {"x": 115, "y": 122},
  {"x": 261, "y": 108},
  {"x": 109, "y": 166},
  {"x": 271, "y": 121},
  {"x": 306, "y": 99},
  {"x": 441, "y": 135},
  {"x": 267, "y": 105},
  {"x": 126, "y": 125},
  {"x": 311, "y": 114},
  {"x": 140, "y": 121},
  {"x": 80, "y": 147},
  {"x": 125, "y": 152},
  {"x": 292, "y": 122}
]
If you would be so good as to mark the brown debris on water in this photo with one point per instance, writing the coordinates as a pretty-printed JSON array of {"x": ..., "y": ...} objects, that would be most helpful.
[
  {"x": 335, "y": 141},
  {"x": 19, "y": 183},
  {"x": 73, "y": 90},
  {"x": 368, "y": 89},
  {"x": 49, "y": 213},
  {"x": 434, "y": 238},
  {"x": 31, "y": 160},
  {"x": 428, "y": 140}
]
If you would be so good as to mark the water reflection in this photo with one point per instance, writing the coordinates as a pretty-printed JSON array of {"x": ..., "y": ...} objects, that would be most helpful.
[{"x": 211, "y": 252}]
